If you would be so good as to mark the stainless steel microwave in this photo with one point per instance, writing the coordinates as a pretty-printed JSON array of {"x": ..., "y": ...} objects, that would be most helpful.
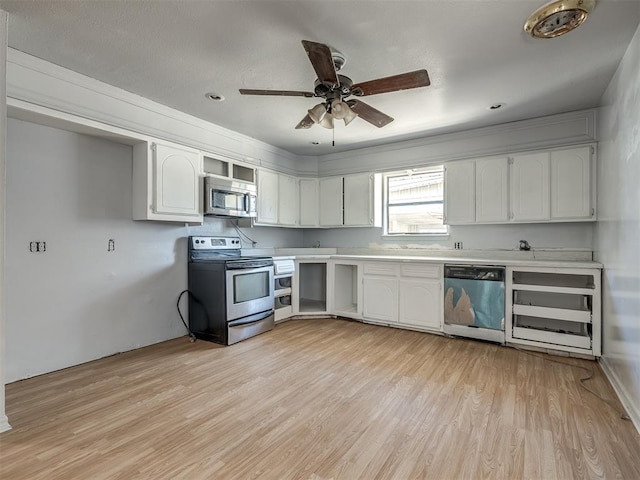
[{"x": 225, "y": 197}]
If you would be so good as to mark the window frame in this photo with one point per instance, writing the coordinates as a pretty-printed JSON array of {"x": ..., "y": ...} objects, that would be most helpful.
[{"x": 440, "y": 232}]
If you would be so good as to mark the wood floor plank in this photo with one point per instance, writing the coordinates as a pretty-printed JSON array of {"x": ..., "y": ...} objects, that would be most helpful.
[{"x": 322, "y": 399}]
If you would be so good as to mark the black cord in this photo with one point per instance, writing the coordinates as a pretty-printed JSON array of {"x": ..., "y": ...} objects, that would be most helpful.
[
  {"x": 590, "y": 375},
  {"x": 191, "y": 335},
  {"x": 242, "y": 234}
]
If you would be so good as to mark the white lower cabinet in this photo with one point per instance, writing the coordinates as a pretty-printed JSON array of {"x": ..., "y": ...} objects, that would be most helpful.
[
  {"x": 403, "y": 294},
  {"x": 345, "y": 278},
  {"x": 381, "y": 299},
  {"x": 419, "y": 303},
  {"x": 554, "y": 308}
]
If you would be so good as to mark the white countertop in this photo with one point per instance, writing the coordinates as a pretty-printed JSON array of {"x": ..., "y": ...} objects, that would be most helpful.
[{"x": 549, "y": 258}]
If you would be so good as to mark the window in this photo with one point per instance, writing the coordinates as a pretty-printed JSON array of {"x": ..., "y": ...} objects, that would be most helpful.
[{"x": 414, "y": 202}]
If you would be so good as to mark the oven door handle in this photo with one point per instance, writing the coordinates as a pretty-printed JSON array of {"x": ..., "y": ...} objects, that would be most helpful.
[{"x": 255, "y": 318}]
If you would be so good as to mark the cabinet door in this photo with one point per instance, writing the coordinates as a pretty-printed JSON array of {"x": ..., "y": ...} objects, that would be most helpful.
[
  {"x": 177, "y": 181},
  {"x": 287, "y": 200},
  {"x": 331, "y": 201},
  {"x": 459, "y": 193},
  {"x": 571, "y": 184},
  {"x": 380, "y": 299},
  {"x": 530, "y": 187},
  {"x": 492, "y": 193},
  {"x": 309, "y": 202},
  {"x": 267, "y": 197},
  {"x": 420, "y": 303},
  {"x": 358, "y": 200}
]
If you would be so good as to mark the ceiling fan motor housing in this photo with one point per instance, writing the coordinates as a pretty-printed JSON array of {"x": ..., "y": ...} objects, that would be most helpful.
[{"x": 330, "y": 92}]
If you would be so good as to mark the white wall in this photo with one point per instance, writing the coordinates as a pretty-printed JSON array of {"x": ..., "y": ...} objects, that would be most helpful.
[
  {"x": 617, "y": 233},
  {"x": 77, "y": 302},
  {"x": 473, "y": 237},
  {"x": 4, "y": 422}
]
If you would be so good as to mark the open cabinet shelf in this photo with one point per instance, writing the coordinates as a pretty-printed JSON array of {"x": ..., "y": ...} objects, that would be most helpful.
[{"x": 554, "y": 308}]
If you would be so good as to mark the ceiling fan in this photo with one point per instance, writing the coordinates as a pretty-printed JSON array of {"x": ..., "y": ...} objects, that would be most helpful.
[{"x": 335, "y": 88}]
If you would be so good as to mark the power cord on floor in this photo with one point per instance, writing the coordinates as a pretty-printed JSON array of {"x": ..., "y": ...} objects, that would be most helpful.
[
  {"x": 192, "y": 337},
  {"x": 590, "y": 375}
]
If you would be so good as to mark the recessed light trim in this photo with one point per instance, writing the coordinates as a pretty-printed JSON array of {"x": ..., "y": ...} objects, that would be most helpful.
[
  {"x": 214, "y": 97},
  {"x": 558, "y": 17}
]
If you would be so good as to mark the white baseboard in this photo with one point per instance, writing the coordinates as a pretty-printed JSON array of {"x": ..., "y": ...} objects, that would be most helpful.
[
  {"x": 4, "y": 424},
  {"x": 629, "y": 405}
]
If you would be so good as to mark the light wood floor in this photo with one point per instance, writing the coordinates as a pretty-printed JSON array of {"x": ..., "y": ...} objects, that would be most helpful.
[{"x": 317, "y": 399}]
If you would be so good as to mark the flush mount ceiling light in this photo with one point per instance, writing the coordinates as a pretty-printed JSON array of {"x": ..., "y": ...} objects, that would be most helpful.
[{"x": 558, "y": 17}]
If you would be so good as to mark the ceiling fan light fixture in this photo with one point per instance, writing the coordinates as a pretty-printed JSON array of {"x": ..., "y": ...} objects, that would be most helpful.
[
  {"x": 327, "y": 121},
  {"x": 350, "y": 116},
  {"x": 558, "y": 17},
  {"x": 318, "y": 112}
]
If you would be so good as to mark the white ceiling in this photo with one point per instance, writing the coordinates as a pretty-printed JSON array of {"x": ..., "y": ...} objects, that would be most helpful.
[{"x": 476, "y": 53}]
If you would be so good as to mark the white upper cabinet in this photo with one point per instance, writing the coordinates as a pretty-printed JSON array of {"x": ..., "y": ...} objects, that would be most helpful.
[
  {"x": 350, "y": 201},
  {"x": 167, "y": 183},
  {"x": 530, "y": 187},
  {"x": 571, "y": 184},
  {"x": 267, "y": 197},
  {"x": 459, "y": 193},
  {"x": 547, "y": 186},
  {"x": 492, "y": 190},
  {"x": 288, "y": 200},
  {"x": 358, "y": 200},
  {"x": 309, "y": 206},
  {"x": 331, "y": 201}
]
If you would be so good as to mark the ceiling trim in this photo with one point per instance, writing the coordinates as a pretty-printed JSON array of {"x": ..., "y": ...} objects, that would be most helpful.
[
  {"x": 555, "y": 130},
  {"x": 70, "y": 92}
]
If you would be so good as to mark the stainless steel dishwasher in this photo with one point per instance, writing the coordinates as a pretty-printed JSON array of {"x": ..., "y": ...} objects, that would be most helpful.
[{"x": 474, "y": 302}]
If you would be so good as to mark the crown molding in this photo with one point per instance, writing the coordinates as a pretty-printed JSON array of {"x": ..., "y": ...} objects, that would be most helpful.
[
  {"x": 556, "y": 130},
  {"x": 38, "y": 82}
]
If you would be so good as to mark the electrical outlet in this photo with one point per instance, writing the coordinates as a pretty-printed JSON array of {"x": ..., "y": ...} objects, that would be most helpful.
[
  {"x": 457, "y": 245},
  {"x": 111, "y": 245},
  {"x": 37, "y": 247}
]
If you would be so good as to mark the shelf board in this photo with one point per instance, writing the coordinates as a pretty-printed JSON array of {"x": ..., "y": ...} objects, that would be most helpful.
[
  {"x": 581, "y": 316},
  {"x": 352, "y": 308},
  {"x": 554, "y": 289},
  {"x": 282, "y": 292},
  {"x": 552, "y": 338},
  {"x": 312, "y": 306}
]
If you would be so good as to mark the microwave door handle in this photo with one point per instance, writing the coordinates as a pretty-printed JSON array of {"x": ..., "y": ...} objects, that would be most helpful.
[{"x": 246, "y": 203}]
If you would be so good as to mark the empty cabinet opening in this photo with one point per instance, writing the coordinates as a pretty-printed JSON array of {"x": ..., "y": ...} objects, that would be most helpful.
[
  {"x": 313, "y": 287},
  {"x": 553, "y": 279},
  {"x": 244, "y": 173},
  {"x": 215, "y": 166},
  {"x": 346, "y": 288}
]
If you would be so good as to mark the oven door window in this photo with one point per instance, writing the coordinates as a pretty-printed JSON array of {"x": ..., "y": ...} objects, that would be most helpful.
[{"x": 250, "y": 286}]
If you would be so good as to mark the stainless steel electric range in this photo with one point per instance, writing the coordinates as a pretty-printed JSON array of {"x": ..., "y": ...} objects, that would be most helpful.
[{"x": 230, "y": 296}]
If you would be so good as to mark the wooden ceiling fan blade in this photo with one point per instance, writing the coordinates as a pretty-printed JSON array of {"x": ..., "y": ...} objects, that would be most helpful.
[
  {"x": 322, "y": 61},
  {"x": 403, "y": 81},
  {"x": 305, "y": 123},
  {"x": 370, "y": 114},
  {"x": 278, "y": 93}
]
